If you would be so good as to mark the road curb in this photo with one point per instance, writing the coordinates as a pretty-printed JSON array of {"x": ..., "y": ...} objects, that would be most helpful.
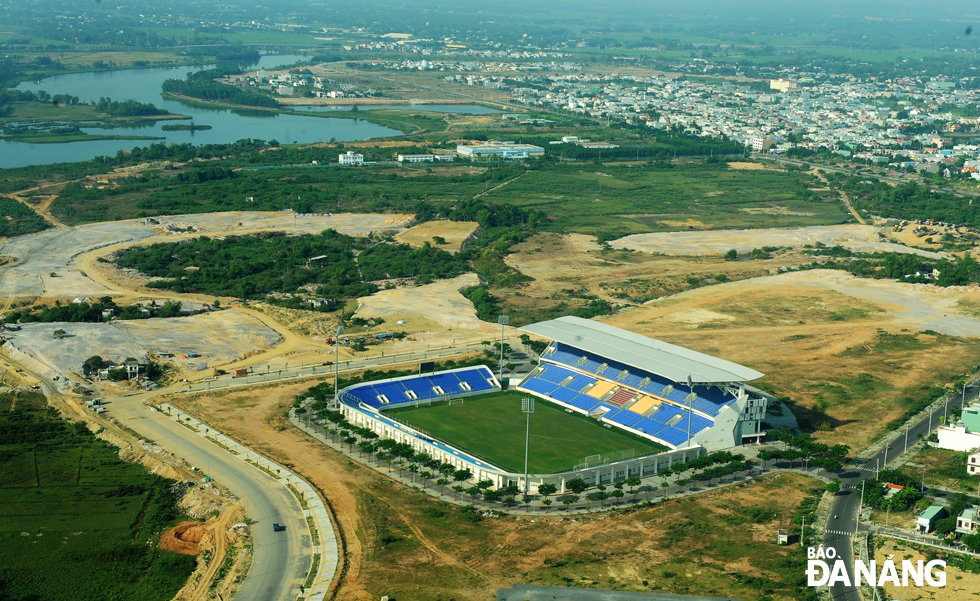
[{"x": 322, "y": 529}]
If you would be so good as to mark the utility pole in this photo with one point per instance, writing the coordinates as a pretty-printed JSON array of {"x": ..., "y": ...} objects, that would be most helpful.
[
  {"x": 906, "y": 439},
  {"x": 527, "y": 406},
  {"x": 802, "y": 530},
  {"x": 503, "y": 320}
]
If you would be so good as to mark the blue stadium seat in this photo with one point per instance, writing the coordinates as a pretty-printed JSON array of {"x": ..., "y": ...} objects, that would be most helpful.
[
  {"x": 553, "y": 373},
  {"x": 447, "y": 382},
  {"x": 563, "y": 394},
  {"x": 538, "y": 385},
  {"x": 580, "y": 382},
  {"x": 648, "y": 426},
  {"x": 673, "y": 436},
  {"x": 665, "y": 413},
  {"x": 393, "y": 390},
  {"x": 699, "y": 423},
  {"x": 476, "y": 378},
  {"x": 584, "y": 402},
  {"x": 366, "y": 395},
  {"x": 627, "y": 418},
  {"x": 634, "y": 379}
]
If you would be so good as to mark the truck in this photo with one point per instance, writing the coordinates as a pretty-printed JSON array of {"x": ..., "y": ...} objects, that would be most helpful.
[
  {"x": 278, "y": 528},
  {"x": 382, "y": 336},
  {"x": 241, "y": 371}
]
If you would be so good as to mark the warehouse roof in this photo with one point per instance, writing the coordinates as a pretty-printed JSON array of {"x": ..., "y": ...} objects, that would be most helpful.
[{"x": 661, "y": 358}]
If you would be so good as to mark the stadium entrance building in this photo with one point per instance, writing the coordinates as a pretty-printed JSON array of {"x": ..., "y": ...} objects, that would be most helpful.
[{"x": 685, "y": 401}]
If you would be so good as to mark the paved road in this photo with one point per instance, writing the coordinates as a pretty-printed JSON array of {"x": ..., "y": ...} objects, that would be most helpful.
[
  {"x": 842, "y": 522},
  {"x": 281, "y": 560}
]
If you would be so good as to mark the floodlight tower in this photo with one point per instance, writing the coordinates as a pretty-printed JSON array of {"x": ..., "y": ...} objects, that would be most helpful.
[{"x": 527, "y": 406}]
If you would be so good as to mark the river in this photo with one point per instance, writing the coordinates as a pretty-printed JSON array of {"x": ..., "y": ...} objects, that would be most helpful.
[{"x": 143, "y": 85}]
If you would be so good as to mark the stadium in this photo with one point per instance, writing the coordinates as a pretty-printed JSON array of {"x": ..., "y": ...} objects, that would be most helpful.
[{"x": 612, "y": 405}]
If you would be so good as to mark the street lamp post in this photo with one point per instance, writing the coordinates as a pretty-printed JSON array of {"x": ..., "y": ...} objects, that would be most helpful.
[
  {"x": 527, "y": 406},
  {"x": 503, "y": 320},
  {"x": 906, "y": 439},
  {"x": 336, "y": 365}
]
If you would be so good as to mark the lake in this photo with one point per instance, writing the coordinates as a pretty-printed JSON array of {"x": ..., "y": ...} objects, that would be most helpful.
[{"x": 143, "y": 85}]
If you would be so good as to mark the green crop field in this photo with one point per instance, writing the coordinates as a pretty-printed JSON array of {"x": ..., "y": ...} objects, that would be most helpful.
[
  {"x": 77, "y": 522},
  {"x": 492, "y": 427}
]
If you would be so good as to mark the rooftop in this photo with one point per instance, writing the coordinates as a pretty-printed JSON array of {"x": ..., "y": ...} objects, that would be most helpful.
[{"x": 661, "y": 358}]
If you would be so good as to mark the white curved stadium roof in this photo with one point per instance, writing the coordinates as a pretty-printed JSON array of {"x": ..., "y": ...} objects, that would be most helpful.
[{"x": 661, "y": 358}]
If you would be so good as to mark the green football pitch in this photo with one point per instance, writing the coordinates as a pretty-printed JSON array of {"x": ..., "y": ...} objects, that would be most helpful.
[{"x": 492, "y": 427}]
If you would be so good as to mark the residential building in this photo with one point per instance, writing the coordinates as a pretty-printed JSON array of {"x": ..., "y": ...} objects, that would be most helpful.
[
  {"x": 926, "y": 521},
  {"x": 964, "y": 435},
  {"x": 973, "y": 463},
  {"x": 782, "y": 85},
  {"x": 762, "y": 144},
  {"x": 968, "y": 520},
  {"x": 351, "y": 159}
]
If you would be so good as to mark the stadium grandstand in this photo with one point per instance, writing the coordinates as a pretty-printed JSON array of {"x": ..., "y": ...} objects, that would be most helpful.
[{"x": 666, "y": 393}]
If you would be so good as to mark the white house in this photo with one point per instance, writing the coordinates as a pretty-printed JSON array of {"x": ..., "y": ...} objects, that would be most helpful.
[
  {"x": 350, "y": 159},
  {"x": 973, "y": 463},
  {"x": 964, "y": 435}
]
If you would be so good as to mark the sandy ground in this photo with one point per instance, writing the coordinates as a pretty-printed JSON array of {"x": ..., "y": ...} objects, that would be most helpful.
[
  {"x": 472, "y": 565},
  {"x": 438, "y": 308},
  {"x": 960, "y": 585},
  {"x": 812, "y": 333},
  {"x": 454, "y": 232},
  {"x": 218, "y": 337},
  {"x": 55, "y": 251},
  {"x": 862, "y": 238}
]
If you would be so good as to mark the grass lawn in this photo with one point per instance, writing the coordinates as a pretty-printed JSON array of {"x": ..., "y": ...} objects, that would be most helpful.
[
  {"x": 76, "y": 522},
  {"x": 492, "y": 426}
]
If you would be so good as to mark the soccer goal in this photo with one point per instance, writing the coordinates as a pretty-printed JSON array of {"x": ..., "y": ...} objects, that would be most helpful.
[
  {"x": 423, "y": 403},
  {"x": 456, "y": 401}
]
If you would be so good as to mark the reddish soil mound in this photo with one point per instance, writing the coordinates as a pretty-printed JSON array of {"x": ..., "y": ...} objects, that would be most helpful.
[{"x": 184, "y": 538}]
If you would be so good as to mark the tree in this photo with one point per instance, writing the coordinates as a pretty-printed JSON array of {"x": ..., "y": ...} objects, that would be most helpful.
[
  {"x": 664, "y": 486},
  {"x": 492, "y": 495},
  {"x": 972, "y": 542},
  {"x": 462, "y": 475},
  {"x": 568, "y": 501},
  {"x": 576, "y": 485},
  {"x": 833, "y": 487},
  {"x": 546, "y": 490},
  {"x": 484, "y": 484},
  {"x": 945, "y": 526},
  {"x": 731, "y": 255},
  {"x": 617, "y": 494},
  {"x": 59, "y": 334},
  {"x": 546, "y": 502},
  {"x": 633, "y": 482}
]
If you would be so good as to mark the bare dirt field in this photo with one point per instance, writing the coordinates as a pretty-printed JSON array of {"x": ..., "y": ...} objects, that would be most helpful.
[
  {"x": 577, "y": 262},
  {"x": 217, "y": 337},
  {"x": 961, "y": 585},
  {"x": 439, "y": 309},
  {"x": 745, "y": 166},
  {"x": 862, "y": 238},
  {"x": 454, "y": 233},
  {"x": 46, "y": 262},
  {"x": 851, "y": 347},
  {"x": 405, "y": 544}
]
